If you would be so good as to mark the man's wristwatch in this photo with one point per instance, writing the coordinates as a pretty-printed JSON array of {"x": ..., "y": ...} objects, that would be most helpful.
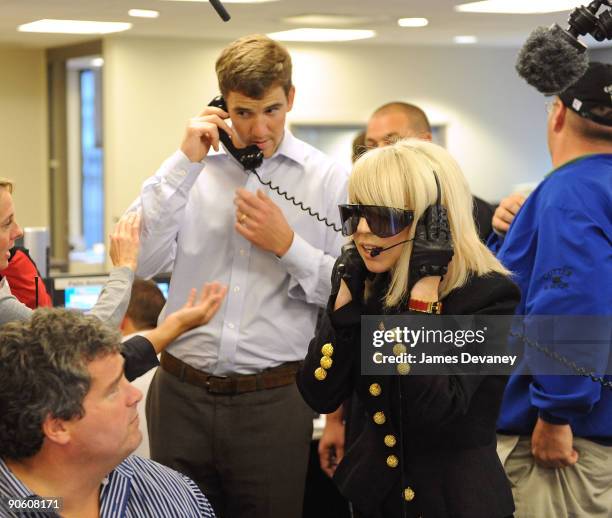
[{"x": 425, "y": 307}]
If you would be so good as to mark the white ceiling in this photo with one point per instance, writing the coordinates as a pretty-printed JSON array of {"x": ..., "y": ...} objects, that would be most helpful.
[{"x": 199, "y": 20}]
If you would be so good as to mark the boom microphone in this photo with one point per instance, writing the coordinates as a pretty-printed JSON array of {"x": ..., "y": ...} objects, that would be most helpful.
[
  {"x": 221, "y": 11},
  {"x": 553, "y": 59},
  {"x": 377, "y": 250}
]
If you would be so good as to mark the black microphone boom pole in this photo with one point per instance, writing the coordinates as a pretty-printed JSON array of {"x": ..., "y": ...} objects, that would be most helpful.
[
  {"x": 376, "y": 251},
  {"x": 221, "y": 11}
]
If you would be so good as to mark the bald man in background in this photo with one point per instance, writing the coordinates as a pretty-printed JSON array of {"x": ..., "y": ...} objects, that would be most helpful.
[{"x": 398, "y": 120}]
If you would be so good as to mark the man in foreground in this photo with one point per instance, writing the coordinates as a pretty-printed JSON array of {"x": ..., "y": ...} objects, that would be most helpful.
[
  {"x": 224, "y": 407},
  {"x": 68, "y": 424}
]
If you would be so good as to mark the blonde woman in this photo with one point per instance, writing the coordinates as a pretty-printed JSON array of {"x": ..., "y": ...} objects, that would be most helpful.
[{"x": 419, "y": 445}]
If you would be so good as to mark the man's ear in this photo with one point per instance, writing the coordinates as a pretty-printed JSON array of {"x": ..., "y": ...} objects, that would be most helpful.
[
  {"x": 55, "y": 430},
  {"x": 559, "y": 117},
  {"x": 290, "y": 97}
]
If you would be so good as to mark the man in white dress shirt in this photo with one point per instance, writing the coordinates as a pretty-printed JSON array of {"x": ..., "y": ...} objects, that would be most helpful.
[{"x": 224, "y": 408}]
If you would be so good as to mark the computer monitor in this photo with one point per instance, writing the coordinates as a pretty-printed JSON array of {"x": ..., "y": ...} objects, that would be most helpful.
[{"x": 82, "y": 291}]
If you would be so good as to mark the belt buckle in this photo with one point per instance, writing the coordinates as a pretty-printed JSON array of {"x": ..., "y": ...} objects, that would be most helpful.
[{"x": 221, "y": 385}]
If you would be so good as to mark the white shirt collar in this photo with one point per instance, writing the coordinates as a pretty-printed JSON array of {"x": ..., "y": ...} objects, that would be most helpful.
[{"x": 292, "y": 148}]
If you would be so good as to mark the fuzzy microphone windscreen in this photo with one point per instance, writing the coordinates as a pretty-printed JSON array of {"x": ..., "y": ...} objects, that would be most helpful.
[{"x": 551, "y": 60}]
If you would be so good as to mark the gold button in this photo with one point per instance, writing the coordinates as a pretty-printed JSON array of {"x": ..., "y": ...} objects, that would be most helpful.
[
  {"x": 375, "y": 389},
  {"x": 403, "y": 368},
  {"x": 326, "y": 362},
  {"x": 408, "y": 494},
  {"x": 379, "y": 418},
  {"x": 320, "y": 374},
  {"x": 381, "y": 326},
  {"x": 390, "y": 440},
  {"x": 392, "y": 461},
  {"x": 327, "y": 350},
  {"x": 399, "y": 349}
]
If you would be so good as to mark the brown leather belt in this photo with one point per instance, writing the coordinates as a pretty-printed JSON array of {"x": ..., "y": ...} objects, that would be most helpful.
[{"x": 231, "y": 385}]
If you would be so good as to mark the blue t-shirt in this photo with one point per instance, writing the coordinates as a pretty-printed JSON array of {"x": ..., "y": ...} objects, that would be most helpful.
[{"x": 559, "y": 247}]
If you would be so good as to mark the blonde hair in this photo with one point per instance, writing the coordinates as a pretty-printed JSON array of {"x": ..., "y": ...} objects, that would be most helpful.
[
  {"x": 253, "y": 64},
  {"x": 7, "y": 184},
  {"x": 401, "y": 176}
]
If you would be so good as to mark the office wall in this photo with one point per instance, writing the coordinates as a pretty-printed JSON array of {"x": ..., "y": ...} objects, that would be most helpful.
[
  {"x": 23, "y": 131},
  {"x": 495, "y": 122}
]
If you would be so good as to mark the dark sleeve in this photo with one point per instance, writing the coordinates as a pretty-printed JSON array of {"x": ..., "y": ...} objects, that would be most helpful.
[
  {"x": 341, "y": 329},
  {"x": 483, "y": 216},
  {"x": 139, "y": 356},
  {"x": 439, "y": 400}
]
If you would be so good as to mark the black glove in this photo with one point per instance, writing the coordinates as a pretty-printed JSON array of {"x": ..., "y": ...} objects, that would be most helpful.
[
  {"x": 350, "y": 268},
  {"x": 432, "y": 248}
]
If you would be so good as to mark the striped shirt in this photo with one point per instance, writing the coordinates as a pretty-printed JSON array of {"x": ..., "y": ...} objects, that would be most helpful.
[{"x": 136, "y": 488}]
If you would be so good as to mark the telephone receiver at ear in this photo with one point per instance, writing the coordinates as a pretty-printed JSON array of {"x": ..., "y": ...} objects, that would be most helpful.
[{"x": 250, "y": 157}]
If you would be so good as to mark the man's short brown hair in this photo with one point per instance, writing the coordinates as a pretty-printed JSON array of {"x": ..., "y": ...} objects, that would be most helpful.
[
  {"x": 146, "y": 303},
  {"x": 589, "y": 130},
  {"x": 252, "y": 65},
  {"x": 417, "y": 117},
  {"x": 7, "y": 184}
]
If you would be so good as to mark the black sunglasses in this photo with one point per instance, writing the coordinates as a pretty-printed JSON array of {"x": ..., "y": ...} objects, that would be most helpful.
[{"x": 383, "y": 221}]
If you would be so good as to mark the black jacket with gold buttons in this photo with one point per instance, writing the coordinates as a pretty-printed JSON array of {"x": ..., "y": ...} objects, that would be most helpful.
[{"x": 422, "y": 445}]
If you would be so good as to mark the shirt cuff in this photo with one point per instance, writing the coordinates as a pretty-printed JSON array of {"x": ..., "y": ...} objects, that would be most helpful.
[
  {"x": 139, "y": 355},
  {"x": 180, "y": 172},
  {"x": 122, "y": 272},
  {"x": 298, "y": 260},
  {"x": 552, "y": 419}
]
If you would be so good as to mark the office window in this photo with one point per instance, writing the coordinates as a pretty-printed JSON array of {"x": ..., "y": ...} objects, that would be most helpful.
[
  {"x": 92, "y": 180},
  {"x": 85, "y": 162}
]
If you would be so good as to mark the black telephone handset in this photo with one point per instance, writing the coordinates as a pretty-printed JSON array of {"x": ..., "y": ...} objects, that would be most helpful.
[{"x": 250, "y": 157}]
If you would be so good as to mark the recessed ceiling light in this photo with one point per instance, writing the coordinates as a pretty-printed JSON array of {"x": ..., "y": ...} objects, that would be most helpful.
[
  {"x": 334, "y": 20},
  {"x": 74, "y": 27},
  {"x": 413, "y": 22},
  {"x": 517, "y": 6},
  {"x": 465, "y": 40},
  {"x": 228, "y": 1},
  {"x": 309, "y": 34},
  {"x": 143, "y": 13}
]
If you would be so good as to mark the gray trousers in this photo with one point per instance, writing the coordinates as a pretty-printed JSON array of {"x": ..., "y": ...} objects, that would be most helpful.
[
  {"x": 583, "y": 490},
  {"x": 248, "y": 453}
]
